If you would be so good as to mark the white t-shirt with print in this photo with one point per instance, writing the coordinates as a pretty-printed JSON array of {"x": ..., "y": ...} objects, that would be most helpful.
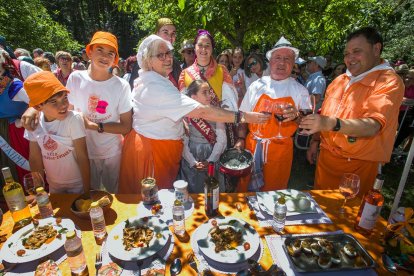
[
  {"x": 55, "y": 140},
  {"x": 275, "y": 89},
  {"x": 159, "y": 107},
  {"x": 101, "y": 102}
]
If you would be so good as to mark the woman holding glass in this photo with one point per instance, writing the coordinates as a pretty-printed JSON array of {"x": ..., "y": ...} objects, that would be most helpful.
[
  {"x": 272, "y": 144},
  {"x": 154, "y": 146}
]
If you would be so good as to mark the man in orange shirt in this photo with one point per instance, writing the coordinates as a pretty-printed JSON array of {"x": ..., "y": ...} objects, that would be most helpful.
[{"x": 359, "y": 116}]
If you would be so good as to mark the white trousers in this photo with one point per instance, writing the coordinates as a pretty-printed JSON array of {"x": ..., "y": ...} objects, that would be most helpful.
[{"x": 105, "y": 173}]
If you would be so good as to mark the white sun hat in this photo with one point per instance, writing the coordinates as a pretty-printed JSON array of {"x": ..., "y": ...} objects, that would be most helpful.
[{"x": 282, "y": 43}]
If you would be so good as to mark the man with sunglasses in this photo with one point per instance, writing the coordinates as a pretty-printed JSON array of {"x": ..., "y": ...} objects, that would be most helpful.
[
  {"x": 358, "y": 120},
  {"x": 272, "y": 144}
]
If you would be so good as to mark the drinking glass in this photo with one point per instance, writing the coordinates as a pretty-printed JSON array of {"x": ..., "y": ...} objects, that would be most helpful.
[
  {"x": 31, "y": 181},
  {"x": 265, "y": 108},
  {"x": 306, "y": 107},
  {"x": 278, "y": 109},
  {"x": 349, "y": 188}
]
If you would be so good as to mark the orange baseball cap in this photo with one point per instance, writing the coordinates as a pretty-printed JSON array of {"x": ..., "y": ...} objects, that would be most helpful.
[
  {"x": 105, "y": 38},
  {"x": 41, "y": 86}
]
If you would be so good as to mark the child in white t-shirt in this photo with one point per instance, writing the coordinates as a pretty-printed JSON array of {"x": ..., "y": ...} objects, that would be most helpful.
[
  {"x": 105, "y": 102},
  {"x": 206, "y": 142},
  {"x": 58, "y": 144}
]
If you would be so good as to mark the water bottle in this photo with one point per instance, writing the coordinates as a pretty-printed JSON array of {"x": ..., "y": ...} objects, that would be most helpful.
[
  {"x": 178, "y": 218},
  {"x": 279, "y": 216},
  {"x": 98, "y": 222},
  {"x": 43, "y": 203},
  {"x": 76, "y": 256}
]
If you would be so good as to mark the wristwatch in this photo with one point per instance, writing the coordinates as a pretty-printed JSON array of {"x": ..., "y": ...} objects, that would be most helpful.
[
  {"x": 338, "y": 125},
  {"x": 100, "y": 128}
]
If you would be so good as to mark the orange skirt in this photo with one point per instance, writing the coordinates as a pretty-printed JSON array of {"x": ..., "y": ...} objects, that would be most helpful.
[
  {"x": 143, "y": 157},
  {"x": 330, "y": 168}
]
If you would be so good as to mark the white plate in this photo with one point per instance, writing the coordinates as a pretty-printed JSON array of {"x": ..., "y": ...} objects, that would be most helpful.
[
  {"x": 14, "y": 243},
  {"x": 267, "y": 201},
  {"x": 115, "y": 239},
  {"x": 206, "y": 245}
]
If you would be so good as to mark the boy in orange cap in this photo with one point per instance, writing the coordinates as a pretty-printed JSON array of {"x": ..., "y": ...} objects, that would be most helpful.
[
  {"x": 104, "y": 100},
  {"x": 58, "y": 144}
]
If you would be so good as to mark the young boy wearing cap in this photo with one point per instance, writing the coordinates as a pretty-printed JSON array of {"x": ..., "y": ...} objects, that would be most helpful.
[
  {"x": 104, "y": 100},
  {"x": 58, "y": 144}
]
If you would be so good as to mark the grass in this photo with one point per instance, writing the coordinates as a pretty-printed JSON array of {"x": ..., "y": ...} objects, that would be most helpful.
[{"x": 303, "y": 174}]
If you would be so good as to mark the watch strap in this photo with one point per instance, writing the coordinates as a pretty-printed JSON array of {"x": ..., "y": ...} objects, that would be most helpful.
[{"x": 337, "y": 125}]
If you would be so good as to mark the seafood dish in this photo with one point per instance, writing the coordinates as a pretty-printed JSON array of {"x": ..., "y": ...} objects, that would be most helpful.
[
  {"x": 327, "y": 253},
  {"x": 40, "y": 235},
  {"x": 225, "y": 239},
  {"x": 137, "y": 236}
]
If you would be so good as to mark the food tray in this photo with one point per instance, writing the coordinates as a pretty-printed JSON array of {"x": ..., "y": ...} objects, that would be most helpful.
[{"x": 308, "y": 262}]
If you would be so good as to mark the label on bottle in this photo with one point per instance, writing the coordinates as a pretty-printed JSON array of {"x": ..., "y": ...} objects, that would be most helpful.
[
  {"x": 97, "y": 220},
  {"x": 216, "y": 194},
  {"x": 178, "y": 217},
  {"x": 369, "y": 216},
  {"x": 42, "y": 200},
  {"x": 15, "y": 200}
]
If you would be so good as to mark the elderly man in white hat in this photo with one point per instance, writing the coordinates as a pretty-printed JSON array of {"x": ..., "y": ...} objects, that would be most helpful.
[
  {"x": 272, "y": 143},
  {"x": 316, "y": 83}
]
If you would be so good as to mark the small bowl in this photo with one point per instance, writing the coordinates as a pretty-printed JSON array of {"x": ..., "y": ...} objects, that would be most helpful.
[{"x": 95, "y": 195}]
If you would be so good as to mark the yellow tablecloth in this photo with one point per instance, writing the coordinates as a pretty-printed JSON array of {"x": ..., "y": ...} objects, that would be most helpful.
[{"x": 125, "y": 206}]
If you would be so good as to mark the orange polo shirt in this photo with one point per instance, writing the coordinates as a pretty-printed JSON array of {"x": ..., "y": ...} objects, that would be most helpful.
[{"x": 378, "y": 96}]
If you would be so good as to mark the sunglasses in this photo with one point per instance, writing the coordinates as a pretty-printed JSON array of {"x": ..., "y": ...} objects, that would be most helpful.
[
  {"x": 251, "y": 64},
  {"x": 163, "y": 56}
]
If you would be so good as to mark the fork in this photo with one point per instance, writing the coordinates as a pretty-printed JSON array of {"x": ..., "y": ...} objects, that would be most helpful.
[
  {"x": 192, "y": 262},
  {"x": 98, "y": 261}
]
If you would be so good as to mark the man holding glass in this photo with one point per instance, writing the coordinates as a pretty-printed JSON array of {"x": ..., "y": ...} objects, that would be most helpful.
[
  {"x": 272, "y": 144},
  {"x": 359, "y": 115}
]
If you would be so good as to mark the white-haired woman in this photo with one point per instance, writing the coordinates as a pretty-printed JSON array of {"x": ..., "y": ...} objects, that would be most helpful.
[{"x": 154, "y": 146}]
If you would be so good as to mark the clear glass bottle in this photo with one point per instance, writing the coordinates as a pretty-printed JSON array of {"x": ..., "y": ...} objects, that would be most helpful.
[
  {"x": 76, "y": 256},
  {"x": 16, "y": 200},
  {"x": 279, "y": 215},
  {"x": 211, "y": 192},
  {"x": 370, "y": 208},
  {"x": 43, "y": 203},
  {"x": 98, "y": 222},
  {"x": 178, "y": 218}
]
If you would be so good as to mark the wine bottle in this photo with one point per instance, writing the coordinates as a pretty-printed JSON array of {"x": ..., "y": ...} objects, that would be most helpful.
[
  {"x": 16, "y": 201},
  {"x": 370, "y": 208},
  {"x": 211, "y": 192}
]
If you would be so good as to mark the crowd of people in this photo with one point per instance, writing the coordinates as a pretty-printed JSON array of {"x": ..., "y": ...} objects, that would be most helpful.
[{"x": 97, "y": 121}]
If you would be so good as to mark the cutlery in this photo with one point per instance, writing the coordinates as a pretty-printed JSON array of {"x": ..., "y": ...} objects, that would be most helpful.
[
  {"x": 192, "y": 262},
  {"x": 139, "y": 264},
  {"x": 98, "y": 261},
  {"x": 175, "y": 267}
]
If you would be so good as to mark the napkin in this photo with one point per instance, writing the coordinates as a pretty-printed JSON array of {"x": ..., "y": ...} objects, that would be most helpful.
[
  {"x": 167, "y": 198},
  {"x": 154, "y": 262},
  {"x": 265, "y": 220},
  {"x": 275, "y": 244},
  {"x": 205, "y": 263}
]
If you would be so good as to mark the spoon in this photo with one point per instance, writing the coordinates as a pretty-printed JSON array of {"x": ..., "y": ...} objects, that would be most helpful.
[
  {"x": 175, "y": 267},
  {"x": 389, "y": 263}
]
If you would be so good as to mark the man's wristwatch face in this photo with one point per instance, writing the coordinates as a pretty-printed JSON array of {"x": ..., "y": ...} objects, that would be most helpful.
[{"x": 338, "y": 125}]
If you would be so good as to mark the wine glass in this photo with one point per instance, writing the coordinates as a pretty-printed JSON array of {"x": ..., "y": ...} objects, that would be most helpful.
[
  {"x": 349, "y": 188},
  {"x": 265, "y": 108},
  {"x": 278, "y": 109},
  {"x": 31, "y": 182},
  {"x": 306, "y": 107}
]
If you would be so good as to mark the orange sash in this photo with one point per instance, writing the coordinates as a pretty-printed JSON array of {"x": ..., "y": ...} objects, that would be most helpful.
[
  {"x": 277, "y": 153},
  {"x": 143, "y": 157}
]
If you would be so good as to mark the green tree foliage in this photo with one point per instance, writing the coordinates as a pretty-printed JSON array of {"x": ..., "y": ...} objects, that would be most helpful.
[{"x": 27, "y": 24}]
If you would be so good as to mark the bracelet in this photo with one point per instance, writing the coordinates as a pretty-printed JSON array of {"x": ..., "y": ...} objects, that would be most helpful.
[{"x": 236, "y": 117}]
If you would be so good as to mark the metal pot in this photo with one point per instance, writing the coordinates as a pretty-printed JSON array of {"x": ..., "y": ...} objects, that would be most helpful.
[{"x": 237, "y": 156}]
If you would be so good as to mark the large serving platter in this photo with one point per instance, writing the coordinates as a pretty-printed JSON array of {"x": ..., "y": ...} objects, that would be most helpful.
[
  {"x": 308, "y": 262},
  {"x": 115, "y": 239},
  {"x": 297, "y": 202},
  {"x": 237, "y": 254},
  {"x": 9, "y": 250}
]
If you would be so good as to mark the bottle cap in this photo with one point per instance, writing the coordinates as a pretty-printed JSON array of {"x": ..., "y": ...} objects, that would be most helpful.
[
  {"x": 40, "y": 190},
  {"x": 94, "y": 204},
  {"x": 177, "y": 202},
  {"x": 281, "y": 200},
  {"x": 70, "y": 235}
]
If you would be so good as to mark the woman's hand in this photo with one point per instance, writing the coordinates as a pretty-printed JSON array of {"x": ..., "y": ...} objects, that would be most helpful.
[{"x": 256, "y": 117}]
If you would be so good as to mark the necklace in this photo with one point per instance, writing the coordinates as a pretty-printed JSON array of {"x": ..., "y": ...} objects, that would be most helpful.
[{"x": 203, "y": 68}]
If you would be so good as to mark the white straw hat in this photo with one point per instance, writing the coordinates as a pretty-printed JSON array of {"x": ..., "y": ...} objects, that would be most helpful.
[{"x": 282, "y": 43}]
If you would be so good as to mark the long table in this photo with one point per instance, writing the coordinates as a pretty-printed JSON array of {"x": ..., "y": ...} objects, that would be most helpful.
[{"x": 124, "y": 206}]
